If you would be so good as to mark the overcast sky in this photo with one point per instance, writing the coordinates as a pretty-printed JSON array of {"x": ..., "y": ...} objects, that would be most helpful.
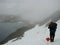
[
  {"x": 29, "y": 9},
  {"x": 16, "y": 6}
]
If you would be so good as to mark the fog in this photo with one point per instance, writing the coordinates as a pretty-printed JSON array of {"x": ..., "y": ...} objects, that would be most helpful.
[{"x": 31, "y": 11}]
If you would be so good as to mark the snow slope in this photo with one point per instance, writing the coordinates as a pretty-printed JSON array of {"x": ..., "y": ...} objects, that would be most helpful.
[{"x": 37, "y": 36}]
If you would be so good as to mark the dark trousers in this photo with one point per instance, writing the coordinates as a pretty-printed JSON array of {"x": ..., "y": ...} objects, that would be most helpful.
[{"x": 52, "y": 35}]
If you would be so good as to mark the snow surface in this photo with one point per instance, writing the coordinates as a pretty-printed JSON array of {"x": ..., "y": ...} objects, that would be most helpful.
[{"x": 37, "y": 36}]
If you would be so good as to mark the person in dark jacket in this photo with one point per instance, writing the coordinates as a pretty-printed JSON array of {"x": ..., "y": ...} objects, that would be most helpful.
[{"x": 52, "y": 26}]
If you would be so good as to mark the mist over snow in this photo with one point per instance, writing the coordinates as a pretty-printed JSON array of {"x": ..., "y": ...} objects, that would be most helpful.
[
  {"x": 37, "y": 36},
  {"x": 30, "y": 11},
  {"x": 9, "y": 18}
]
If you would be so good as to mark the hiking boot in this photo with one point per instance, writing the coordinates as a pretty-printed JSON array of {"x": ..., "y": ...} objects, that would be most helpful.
[{"x": 52, "y": 40}]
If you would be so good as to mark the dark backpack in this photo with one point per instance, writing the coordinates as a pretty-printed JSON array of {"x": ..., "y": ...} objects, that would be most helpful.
[{"x": 52, "y": 25}]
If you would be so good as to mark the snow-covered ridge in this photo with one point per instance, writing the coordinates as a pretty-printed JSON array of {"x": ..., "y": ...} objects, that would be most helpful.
[{"x": 36, "y": 36}]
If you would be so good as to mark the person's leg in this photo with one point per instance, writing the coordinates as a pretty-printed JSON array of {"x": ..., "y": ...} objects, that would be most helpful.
[{"x": 51, "y": 36}]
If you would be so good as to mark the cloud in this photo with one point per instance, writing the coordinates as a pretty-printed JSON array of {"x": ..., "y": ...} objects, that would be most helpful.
[{"x": 31, "y": 11}]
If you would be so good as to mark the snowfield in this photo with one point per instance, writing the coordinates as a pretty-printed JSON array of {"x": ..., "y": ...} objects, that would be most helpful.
[{"x": 37, "y": 36}]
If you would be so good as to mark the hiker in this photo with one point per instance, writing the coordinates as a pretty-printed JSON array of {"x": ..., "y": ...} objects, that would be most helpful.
[{"x": 52, "y": 28}]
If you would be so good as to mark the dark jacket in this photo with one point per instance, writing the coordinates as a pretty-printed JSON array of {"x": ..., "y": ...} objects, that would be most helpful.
[{"x": 52, "y": 26}]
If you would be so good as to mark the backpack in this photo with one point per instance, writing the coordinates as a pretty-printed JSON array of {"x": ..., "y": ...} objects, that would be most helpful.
[{"x": 52, "y": 25}]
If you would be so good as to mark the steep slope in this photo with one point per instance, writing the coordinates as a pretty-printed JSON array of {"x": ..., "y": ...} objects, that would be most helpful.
[
  {"x": 37, "y": 36},
  {"x": 19, "y": 33}
]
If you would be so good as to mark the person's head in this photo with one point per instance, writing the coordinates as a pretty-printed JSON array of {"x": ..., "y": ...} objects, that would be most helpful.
[{"x": 51, "y": 22}]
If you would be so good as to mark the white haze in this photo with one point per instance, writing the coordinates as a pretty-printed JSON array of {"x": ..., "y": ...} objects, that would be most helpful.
[{"x": 30, "y": 11}]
